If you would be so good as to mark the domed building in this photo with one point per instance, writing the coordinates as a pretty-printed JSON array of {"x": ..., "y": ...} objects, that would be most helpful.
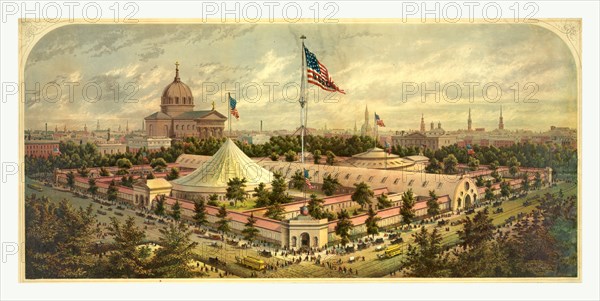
[{"x": 177, "y": 118}]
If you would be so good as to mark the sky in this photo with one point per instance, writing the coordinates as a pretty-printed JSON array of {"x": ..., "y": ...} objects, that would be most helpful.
[{"x": 376, "y": 64}]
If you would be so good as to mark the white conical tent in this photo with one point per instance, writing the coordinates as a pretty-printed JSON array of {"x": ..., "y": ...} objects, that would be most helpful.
[{"x": 227, "y": 163}]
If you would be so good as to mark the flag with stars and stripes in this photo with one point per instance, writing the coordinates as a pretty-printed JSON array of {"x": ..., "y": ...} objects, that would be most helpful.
[
  {"x": 378, "y": 121},
  {"x": 318, "y": 75},
  {"x": 306, "y": 179},
  {"x": 233, "y": 107}
]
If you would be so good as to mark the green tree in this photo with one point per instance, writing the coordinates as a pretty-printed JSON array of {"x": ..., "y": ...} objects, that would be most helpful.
[
  {"x": 330, "y": 185},
  {"x": 450, "y": 164},
  {"x": 434, "y": 166},
  {"x": 476, "y": 231},
  {"x": 223, "y": 222},
  {"x": 60, "y": 240},
  {"x": 173, "y": 174},
  {"x": 236, "y": 190},
  {"x": 479, "y": 181},
  {"x": 173, "y": 259},
  {"x": 176, "y": 211},
  {"x": 274, "y": 156},
  {"x": 158, "y": 164},
  {"x": 513, "y": 166},
  {"x": 362, "y": 194},
  {"x": 83, "y": 171},
  {"x": 525, "y": 183},
  {"x": 433, "y": 207},
  {"x": 262, "y": 195},
  {"x": 317, "y": 156},
  {"x": 104, "y": 172},
  {"x": 159, "y": 208},
  {"x": 150, "y": 176},
  {"x": 71, "y": 180},
  {"x": 200, "y": 212},
  {"x": 250, "y": 232},
  {"x": 291, "y": 156},
  {"x": 315, "y": 206},
  {"x": 406, "y": 211},
  {"x": 330, "y": 160},
  {"x": 279, "y": 192},
  {"x": 213, "y": 200},
  {"x": 473, "y": 163},
  {"x": 383, "y": 201},
  {"x": 111, "y": 192},
  {"x": 424, "y": 257},
  {"x": 505, "y": 189},
  {"x": 343, "y": 227},
  {"x": 297, "y": 180},
  {"x": 275, "y": 211},
  {"x": 371, "y": 222},
  {"x": 124, "y": 165},
  {"x": 92, "y": 187},
  {"x": 128, "y": 259}
]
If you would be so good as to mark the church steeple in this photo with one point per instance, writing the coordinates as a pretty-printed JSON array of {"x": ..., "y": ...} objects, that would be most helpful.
[
  {"x": 422, "y": 123},
  {"x": 469, "y": 122},
  {"x": 501, "y": 121}
]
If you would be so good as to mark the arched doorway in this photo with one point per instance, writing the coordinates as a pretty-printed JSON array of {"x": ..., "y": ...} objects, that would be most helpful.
[
  {"x": 459, "y": 203},
  {"x": 293, "y": 241},
  {"x": 468, "y": 203},
  {"x": 304, "y": 240}
]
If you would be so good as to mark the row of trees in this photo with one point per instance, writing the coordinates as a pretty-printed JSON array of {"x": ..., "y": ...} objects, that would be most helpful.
[
  {"x": 543, "y": 244},
  {"x": 562, "y": 159}
]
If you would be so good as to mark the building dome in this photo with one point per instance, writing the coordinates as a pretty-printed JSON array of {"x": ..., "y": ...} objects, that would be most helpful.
[{"x": 176, "y": 97}]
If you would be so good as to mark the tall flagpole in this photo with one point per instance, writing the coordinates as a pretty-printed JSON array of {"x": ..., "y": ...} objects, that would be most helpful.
[
  {"x": 229, "y": 111},
  {"x": 302, "y": 108},
  {"x": 302, "y": 99}
]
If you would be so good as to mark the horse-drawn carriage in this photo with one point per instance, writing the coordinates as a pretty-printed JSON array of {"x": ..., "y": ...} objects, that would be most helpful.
[{"x": 265, "y": 253}]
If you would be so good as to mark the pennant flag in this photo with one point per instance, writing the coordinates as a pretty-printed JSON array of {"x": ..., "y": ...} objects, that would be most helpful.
[
  {"x": 318, "y": 75},
  {"x": 378, "y": 121},
  {"x": 232, "y": 106},
  {"x": 56, "y": 151},
  {"x": 307, "y": 180}
]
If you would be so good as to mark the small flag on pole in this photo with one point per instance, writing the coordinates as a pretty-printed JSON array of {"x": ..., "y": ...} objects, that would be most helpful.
[
  {"x": 232, "y": 106},
  {"x": 306, "y": 179},
  {"x": 378, "y": 121},
  {"x": 318, "y": 75}
]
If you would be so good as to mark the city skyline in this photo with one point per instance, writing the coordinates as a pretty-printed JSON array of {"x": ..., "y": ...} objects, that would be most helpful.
[{"x": 406, "y": 53}]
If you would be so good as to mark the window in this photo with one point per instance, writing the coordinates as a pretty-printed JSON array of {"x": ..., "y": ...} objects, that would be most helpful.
[
  {"x": 384, "y": 179},
  {"x": 370, "y": 179},
  {"x": 411, "y": 182},
  {"x": 440, "y": 184},
  {"x": 425, "y": 183},
  {"x": 347, "y": 176},
  {"x": 358, "y": 178}
]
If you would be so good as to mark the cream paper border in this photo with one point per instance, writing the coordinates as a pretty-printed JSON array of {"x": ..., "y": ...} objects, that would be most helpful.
[{"x": 568, "y": 29}]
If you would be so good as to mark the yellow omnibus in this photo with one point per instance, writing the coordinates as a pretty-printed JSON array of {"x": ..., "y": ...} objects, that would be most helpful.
[
  {"x": 253, "y": 263},
  {"x": 393, "y": 250}
]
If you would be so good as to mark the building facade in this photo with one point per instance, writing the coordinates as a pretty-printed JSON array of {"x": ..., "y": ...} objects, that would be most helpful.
[{"x": 177, "y": 118}]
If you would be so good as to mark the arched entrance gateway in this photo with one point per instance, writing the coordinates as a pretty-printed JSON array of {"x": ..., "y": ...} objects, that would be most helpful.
[
  {"x": 468, "y": 203},
  {"x": 304, "y": 240}
]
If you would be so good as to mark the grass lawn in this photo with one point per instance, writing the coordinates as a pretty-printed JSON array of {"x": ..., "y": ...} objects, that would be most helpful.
[{"x": 242, "y": 206}]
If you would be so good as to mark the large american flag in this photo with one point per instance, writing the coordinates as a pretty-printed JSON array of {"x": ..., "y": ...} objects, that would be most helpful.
[
  {"x": 317, "y": 73},
  {"x": 232, "y": 106}
]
